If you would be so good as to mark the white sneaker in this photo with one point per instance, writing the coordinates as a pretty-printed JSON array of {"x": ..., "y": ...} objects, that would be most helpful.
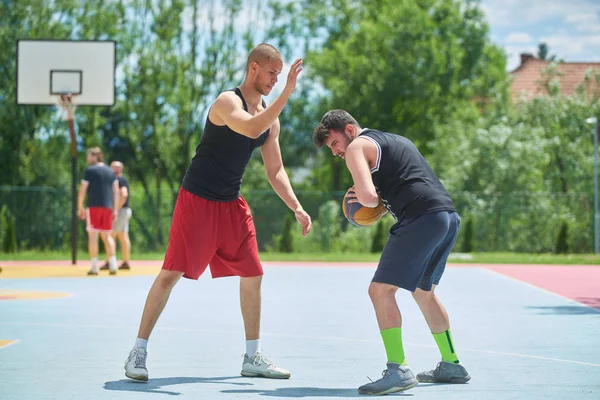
[
  {"x": 135, "y": 365},
  {"x": 259, "y": 365}
]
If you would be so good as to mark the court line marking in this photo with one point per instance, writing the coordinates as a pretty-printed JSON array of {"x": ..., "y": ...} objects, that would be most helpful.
[
  {"x": 541, "y": 289},
  {"x": 9, "y": 344},
  {"x": 286, "y": 335}
]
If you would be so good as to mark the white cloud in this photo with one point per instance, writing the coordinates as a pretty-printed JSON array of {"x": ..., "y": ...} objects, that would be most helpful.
[
  {"x": 519, "y": 38},
  {"x": 571, "y": 28},
  {"x": 574, "y": 47},
  {"x": 586, "y": 23},
  {"x": 521, "y": 13}
]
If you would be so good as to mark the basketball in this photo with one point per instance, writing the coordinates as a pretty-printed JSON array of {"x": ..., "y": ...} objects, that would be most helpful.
[{"x": 359, "y": 215}]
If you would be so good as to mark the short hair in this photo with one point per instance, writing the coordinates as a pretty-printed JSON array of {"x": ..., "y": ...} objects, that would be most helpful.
[
  {"x": 333, "y": 120},
  {"x": 117, "y": 164},
  {"x": 96, "y": 151},
  {"x": 263, "y": 53}
]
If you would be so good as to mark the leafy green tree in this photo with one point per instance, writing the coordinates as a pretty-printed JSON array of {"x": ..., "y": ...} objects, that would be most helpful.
[
  {"x": 467, "y": 244},
  {"x": 400, "y": 66},
  {"x": 286, "y": 244},
  {"x": 562, "y": 241}
]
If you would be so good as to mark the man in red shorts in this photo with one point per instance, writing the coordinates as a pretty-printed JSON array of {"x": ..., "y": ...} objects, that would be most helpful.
[
  {"x": 101, "y": 185},
  {"x": 212, "y": 224}
]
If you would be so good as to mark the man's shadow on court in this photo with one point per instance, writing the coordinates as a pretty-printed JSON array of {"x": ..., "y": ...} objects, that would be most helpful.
[
  {"x": 153, "y": 385},
  {"x": 299, "y": 392}
]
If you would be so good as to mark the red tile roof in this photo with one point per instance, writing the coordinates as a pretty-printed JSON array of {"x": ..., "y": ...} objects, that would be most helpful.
[{"x": 527, "y": 78}]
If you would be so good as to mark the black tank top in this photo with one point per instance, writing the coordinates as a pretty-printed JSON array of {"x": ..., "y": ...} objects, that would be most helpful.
[
  {"x": 216, "y": 170},
  {"x": 403, "y": 178}
]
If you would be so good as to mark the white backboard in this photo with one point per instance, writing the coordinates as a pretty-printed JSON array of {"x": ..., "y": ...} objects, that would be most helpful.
[{"x": 46, "y": 68}]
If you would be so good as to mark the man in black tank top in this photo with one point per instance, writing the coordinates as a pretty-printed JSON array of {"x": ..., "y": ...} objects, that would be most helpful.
[
  {"x": 389, "y": 168},
  {"x": 212, "y": 223}
]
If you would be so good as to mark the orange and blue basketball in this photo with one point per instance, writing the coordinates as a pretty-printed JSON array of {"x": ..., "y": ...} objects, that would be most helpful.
[{"x": 359, "y": 215}]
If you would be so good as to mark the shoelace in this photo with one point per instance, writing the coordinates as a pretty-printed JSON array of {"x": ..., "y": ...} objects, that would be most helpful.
[
  {"x": 140, "y": 359},
  {"x": 260, "y": 359},
  {"x": 383, "y": 374}
]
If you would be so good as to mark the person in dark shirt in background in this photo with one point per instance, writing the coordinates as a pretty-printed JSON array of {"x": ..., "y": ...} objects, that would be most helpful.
[{"x": 102, "y": 188}]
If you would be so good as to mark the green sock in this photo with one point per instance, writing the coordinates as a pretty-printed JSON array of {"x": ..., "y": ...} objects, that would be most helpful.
[
  {"x": 444, "y": 342},
  {"x": 392, "y": 340}
]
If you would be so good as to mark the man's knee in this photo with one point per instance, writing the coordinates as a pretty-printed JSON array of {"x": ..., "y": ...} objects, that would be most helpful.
[
  {"x": 423, "y": 296},
  {"x": 167, "y": 279},
  {"x": 251, "y": 282},
  {"x": 105, "y": 236},
  {"x": 379, "y": 291}
]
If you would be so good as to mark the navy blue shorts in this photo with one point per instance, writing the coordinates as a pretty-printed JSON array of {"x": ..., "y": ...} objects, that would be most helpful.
[{"x": 417, "y": 249}]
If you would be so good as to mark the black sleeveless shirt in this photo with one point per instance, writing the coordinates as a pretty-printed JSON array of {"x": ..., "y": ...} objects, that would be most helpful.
[
  {"x": 216, "y": 170},
  {"x": 403, "y": 178}
]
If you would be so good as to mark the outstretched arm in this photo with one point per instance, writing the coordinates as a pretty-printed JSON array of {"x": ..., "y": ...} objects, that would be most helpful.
[
  {"x": 358, "y": 164},
  {"x": 228, "y": 110},
  {"x": 279, "y": 180}
]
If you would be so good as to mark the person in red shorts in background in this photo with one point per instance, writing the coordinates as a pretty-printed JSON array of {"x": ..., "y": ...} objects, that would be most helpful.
[
  {"x": 212, "y": 223},
  {"x": 100, "y": 184}
]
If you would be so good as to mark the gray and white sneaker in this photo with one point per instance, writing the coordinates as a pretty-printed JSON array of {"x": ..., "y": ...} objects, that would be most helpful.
[
  {"x": 259, "y": 365},
  {"x": 135, "y": 365},
  {"x": 395, "y": 378},
  {"x": 445, "y": 372}
]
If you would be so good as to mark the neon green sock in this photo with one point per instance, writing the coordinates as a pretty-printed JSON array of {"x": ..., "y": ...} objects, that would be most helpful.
[
  {"x": 444, "y": 342},
  {"x": 392, "y": 341}
]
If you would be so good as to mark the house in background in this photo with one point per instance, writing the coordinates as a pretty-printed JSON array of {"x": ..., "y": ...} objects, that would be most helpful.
[{"x": 528, "y": 79}]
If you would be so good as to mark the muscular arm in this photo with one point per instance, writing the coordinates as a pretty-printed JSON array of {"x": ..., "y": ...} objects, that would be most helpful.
[
  {"x": 358, "y": 164},
  {"x": 228, "y": 110},
  {"x": 278, "y": 177}
]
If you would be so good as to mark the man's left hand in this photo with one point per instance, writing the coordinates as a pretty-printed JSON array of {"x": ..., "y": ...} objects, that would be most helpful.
[{"x": 304, "y": 220}]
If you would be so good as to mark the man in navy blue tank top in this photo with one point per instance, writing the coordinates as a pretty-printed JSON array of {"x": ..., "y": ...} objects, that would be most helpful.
[
  {"x": 390, "y": 167},
  {"x": 212, "y": 223}
]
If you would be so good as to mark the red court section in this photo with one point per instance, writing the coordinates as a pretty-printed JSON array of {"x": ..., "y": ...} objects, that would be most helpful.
[{"x": 577, "y": 282}]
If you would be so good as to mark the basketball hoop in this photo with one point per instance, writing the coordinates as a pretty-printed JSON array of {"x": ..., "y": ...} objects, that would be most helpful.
[{"x": 66, "y": 105}]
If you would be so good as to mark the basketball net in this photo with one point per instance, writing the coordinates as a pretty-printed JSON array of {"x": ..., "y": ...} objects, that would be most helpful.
[{"x": 67, "y": 107}]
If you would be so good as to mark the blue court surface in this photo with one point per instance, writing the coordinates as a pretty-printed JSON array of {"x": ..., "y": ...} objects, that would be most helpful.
[{"x": 517, "y": 341}]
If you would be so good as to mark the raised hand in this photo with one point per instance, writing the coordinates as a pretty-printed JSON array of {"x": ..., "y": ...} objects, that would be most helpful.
[{"x": 295, "y": 70}]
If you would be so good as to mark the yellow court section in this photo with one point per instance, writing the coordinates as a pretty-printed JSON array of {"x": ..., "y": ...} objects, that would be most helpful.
[
  {"x": 4, "y": 343},
  {"x": 64, "y": 269},
  {"x": 13, "y": 294}
]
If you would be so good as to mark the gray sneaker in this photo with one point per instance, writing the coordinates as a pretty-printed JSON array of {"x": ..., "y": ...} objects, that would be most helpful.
[
  {"x": 445, "y": 372},
  {"x": 396, "y": 378},
  {"x": 259, "y": 365},
  {"x": 135, "y": 365}
]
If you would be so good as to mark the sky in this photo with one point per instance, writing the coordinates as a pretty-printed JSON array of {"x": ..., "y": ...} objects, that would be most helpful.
[{"x": 571, "y": 28}]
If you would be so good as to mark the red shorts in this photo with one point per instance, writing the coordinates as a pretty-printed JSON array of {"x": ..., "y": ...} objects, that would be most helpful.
[
  {"x": 219, "y": 234},
  {"x": 99, "y": 219}
]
